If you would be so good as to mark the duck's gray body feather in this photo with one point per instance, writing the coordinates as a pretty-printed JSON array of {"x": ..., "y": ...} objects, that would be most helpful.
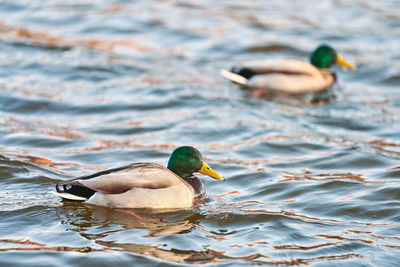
[
  {"x": 284, "y": 75},
  {"x": 139, "y": 185}
]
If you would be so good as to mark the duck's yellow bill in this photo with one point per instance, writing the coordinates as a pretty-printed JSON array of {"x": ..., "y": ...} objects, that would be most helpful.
[
  {"x": 205, "y": 169},
  {"x": 343, "y": 63}
]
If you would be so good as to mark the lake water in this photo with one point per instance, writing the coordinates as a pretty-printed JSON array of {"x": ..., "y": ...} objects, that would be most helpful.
[{"x": 88, "y": 85}]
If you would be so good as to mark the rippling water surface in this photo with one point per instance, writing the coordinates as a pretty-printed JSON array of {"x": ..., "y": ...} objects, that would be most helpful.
[{"x": 88, "y": 85}]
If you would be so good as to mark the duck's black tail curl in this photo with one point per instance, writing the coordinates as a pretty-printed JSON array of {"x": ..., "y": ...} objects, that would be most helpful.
[
  {"x": 243, "y": 71},
  {"x": 73, "y": 192}
]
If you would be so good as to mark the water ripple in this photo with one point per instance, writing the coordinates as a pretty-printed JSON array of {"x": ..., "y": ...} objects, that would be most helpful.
[{"x": 311, "y": 180}]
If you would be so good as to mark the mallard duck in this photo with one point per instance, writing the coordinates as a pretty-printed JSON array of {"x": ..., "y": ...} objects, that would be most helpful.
[
  {"x": 144, "y": 185},
  {"x": 289, "y": 75}
]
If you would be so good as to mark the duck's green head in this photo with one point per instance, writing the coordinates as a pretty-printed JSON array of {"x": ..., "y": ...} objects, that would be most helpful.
[
  {"x": 325, "y": 56},
  {"x": 186, "y": 160}
]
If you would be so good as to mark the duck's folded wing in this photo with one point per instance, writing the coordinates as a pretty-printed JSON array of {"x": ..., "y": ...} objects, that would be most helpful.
[
  {"x": 120, "y": 180},
  {"x": 284, "y": 66}
]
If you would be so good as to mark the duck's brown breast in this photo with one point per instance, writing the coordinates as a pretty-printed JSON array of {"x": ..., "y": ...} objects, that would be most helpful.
[{"x": 199, "y": 191}]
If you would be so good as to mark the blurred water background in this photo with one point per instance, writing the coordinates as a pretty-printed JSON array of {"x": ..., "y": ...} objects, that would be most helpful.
[{"x": 86, "y": 85}]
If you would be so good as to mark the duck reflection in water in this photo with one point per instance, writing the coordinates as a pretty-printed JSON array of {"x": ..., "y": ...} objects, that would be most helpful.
[
  {"x": 156, "y": 224},
  {"x": 109, "y": 222}
]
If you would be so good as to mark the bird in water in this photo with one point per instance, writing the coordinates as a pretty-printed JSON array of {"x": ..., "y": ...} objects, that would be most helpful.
[
  {"x": 290, "y": 76},
  {"x": 144, "y": 185}
]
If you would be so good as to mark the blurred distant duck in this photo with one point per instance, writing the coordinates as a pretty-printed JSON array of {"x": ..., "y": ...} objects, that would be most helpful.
[
  {"x": 289, "y": 75},
  {"x": 144, "y": 185}
]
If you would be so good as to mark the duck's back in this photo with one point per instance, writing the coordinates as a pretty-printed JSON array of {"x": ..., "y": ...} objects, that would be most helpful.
[
  {"x": 136, "y": 175},
  {"x": 279, "y": 65}
]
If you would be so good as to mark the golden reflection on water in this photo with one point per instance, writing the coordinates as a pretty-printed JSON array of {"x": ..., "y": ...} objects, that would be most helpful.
[
  {"x": 44, "y": 38},
  {"x": 297, "y": 247},
  {"x": 55, "y": 166},
  {"x": 381, "y": 146},
  {"x": 29, "y": 245},
  {"x": 181, "y": 256},
  {"x": 288, "y": 176}
]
